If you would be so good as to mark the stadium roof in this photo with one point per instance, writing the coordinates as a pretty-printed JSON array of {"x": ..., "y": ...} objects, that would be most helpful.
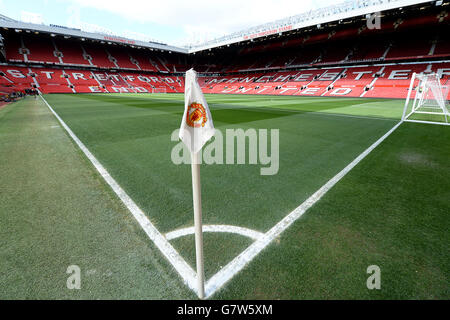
[
  {"x": 344, "y": 10},
  {"x": 6, "y": 22}
]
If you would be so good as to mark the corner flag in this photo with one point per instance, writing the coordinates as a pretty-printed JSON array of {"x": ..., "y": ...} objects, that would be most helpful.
[
  {"x": 197, "y": 125},
  {"x": 196, "y": 129}
]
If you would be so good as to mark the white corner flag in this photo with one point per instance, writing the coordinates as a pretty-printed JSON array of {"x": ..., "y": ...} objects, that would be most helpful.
[
  {"x": 197, "y": 125},
  {"x": 196, "y": 129}
]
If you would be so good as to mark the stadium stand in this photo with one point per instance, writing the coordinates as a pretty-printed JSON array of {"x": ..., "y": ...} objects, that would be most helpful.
[
  {"x": 40, "y": 50},
  {"x": 72, "y": 53},
  {"x": 14, "y": 50},
  {"x": 122, "y": 57},
  {"x": 99, "y": 56},
  {"x": 345, "y": 59}
]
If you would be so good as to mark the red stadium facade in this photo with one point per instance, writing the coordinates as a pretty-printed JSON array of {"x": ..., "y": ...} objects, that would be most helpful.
[{"x": 339, "y": 59}]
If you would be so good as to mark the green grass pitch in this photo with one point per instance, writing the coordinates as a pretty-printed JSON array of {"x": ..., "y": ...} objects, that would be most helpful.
[{"x": 391, "y": 210}]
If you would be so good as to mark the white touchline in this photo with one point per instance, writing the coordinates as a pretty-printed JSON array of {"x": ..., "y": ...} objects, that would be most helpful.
[
  {"x": 238, "y": 263},
  {"x": 252, "y": 234},
  {"x": 158, "y": 239}
]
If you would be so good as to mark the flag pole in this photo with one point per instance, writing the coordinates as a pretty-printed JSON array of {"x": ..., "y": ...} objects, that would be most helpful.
[
  {"x": 197, "y": 198},
  {"x": 196, "y": 129}
]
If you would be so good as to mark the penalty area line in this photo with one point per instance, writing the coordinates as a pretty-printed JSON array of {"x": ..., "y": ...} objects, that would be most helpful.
[
  {"x": 218, "y": 280},
  {"x": 185, "y": 271}
]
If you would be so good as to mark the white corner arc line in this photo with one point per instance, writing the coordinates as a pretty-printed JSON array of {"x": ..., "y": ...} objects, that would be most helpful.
[
  {"x": 186, "y": 272},
  {"x": 252, "y": 234},
  {"x": 238, "y": 263}
]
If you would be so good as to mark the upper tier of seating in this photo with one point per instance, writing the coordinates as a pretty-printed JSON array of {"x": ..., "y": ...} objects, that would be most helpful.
[
  {"x": 67, "y": 52},
  {"x": 397, "y": 40}
]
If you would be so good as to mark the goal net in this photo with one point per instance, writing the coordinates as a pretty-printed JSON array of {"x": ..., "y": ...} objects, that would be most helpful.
[
  {"x": 122, "y": 90},
  {"x": 427, "y": 100},
  {"x": 159, "y": 90}
]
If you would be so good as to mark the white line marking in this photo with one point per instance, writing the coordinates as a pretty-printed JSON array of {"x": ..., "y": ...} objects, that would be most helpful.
[
  {"x": 158, "y": 239},
  {"x": 238, "y": 263},
  {"x": 318, "y": 113},
  {"x": 255, "y": 235},
  {"x": 428, "y": 122},
  {"x": 348, "y": 116},
  {"x": 300, "y": 112}
]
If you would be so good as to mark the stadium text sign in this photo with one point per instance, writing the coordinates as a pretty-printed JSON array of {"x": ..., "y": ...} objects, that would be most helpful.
[
  {"x": 312, "y": 82},
  {"x": 268, "y": 32},
  {"x": 116, "y": 39}
]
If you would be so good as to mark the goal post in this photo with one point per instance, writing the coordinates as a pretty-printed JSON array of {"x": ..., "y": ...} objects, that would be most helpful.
[
  {"x": 123, "y": 89},
  {"x": 426, "y": 101},
  {"x": 159, "y": 90}
]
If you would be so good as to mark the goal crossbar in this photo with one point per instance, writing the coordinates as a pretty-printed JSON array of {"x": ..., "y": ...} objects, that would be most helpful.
[{"x": 159, "y": 90}]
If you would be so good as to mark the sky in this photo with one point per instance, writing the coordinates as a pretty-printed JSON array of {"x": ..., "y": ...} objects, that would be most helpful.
[{"x": 176, "y": 22}]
